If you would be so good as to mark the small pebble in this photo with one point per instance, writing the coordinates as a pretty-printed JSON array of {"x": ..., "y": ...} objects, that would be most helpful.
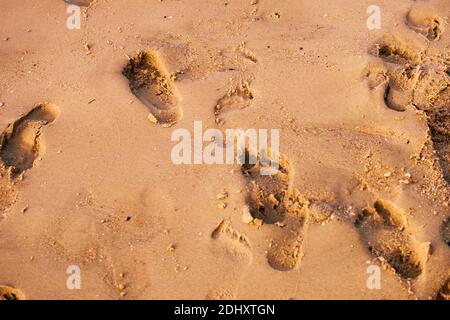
[
  {"x": 222, "y": 205},
  {"x": 223, "y": 195}
]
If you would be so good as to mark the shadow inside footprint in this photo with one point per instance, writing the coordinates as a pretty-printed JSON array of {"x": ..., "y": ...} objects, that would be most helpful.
[
  {"x": 8, "y": 293},
  {"x": 153, "y": 86},
  {"x": 272, "y": 200},
  {"x": 425, "y": 22},
  {"x": 384, "y": 229},
  {"x": 267, "y": 195},
  {"x": 21, "y": 143},
  {"x": 395, "y": 50},
  {"x": 235, "y": 244}
]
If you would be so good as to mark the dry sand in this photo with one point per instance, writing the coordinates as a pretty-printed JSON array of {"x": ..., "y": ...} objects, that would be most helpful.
[{"x": 87, "y": 178}]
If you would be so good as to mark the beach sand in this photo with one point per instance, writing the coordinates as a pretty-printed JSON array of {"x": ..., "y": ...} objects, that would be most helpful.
[{"x": 359, "y": 208}]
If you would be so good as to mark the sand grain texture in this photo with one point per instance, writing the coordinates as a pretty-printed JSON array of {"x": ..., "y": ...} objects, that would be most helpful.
[{"x": 86, "y": 123}]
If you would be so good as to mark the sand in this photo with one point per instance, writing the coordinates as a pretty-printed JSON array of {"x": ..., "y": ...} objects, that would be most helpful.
[{"x": 359, "y": 208}]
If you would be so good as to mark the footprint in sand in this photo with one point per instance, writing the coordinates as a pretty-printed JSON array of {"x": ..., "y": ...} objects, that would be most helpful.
[
  {"x": 235, "y": 244},
  {"x": 415, "y": 76},
  {"x": 21, "y": 143},
  {"x": 426, "y": 22},
  {"x": 267, "y": 195},
  {"x": 272, "y": 199},
  {"x": 8, "y": 293},
  {"x": 229, "y": 243},
  {"x": 385, "y": 229},
  {"x": 238, "y": 97},
  {"x": 152, "y": 84}
]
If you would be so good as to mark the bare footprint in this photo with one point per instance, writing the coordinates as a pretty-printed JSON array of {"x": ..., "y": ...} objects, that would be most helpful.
[
  {"x": 239, "y": 97},
  {"x": 375, "y": 75},
  {"x": 394, "y": 49},
  {"x": 21, "y": 143},
  {"x": 272, "y": 199},
  {"x": 235, "y": 244},
  {"x": 151, "y": 83},
  {"x": 8, "y": 293},
  {"x": 385, "y": 229},
  {"x": 287, "y": 250},
  {"x": 400, "y": 90},
  {"x": 426, "y": 22},
  {"x": 267, "y": 195}
]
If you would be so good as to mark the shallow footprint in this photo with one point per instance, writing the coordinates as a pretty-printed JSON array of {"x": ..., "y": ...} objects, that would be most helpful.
[
  {"x": 235, "y": 244},
  {"x": 375, "y": 75},
  {"x": 8, "y": 293},
  {"x": 21, "y": 142},
  {"x": 151, "y": 83},
  {"x": 384, "y": 228},
  {"x": 394, "y": 49},
  {"x": 239, "y": 97}
]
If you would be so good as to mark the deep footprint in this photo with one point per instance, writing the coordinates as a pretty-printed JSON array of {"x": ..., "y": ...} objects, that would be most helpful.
[
  {"x": 385, "y": 229},
  {"x": 8, "y": 293},
  {"x": 151, "y": 83},
  {"x": 418, "y": 78},
  {"x": 426, "y": 22},
  {"x": 272, "y": 200},
  {"x": 21, "y": 142}
]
